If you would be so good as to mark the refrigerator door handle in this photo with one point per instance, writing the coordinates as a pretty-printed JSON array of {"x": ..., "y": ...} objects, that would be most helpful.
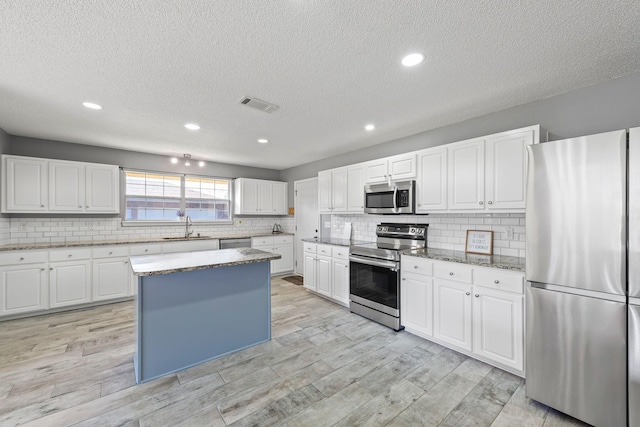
[{"x": 579, "y": 292}]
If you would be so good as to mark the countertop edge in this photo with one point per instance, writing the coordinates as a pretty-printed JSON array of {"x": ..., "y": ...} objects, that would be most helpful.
[
  {"x": 501, "y": 262},
  {"x": 97, "y": 243},
  {"x": 256, "y": 256}
]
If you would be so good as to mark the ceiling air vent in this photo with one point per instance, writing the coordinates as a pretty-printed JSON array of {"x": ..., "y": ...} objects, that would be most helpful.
[{"x": 258, "y": 104}]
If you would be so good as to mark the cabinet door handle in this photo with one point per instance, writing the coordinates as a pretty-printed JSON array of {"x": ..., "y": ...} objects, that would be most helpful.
[
  {"x": 50, "y": 268},
  {"x": 481, "y": 203},
  {"x": 110, "y": 252},
  {"x": 126, "y": 262},
  {"x": 80, "y": 206},
  {"x": 69, "y": 256},
  {"x": 467, "y": 293},
  {"x": 451, "y": 273},
  {"x": 404, "y": 278},
  {"x": 415, "y": 266},
  {"x": 490, "y": 202},
  {"x": 146, "y": 250},
  {"x": 496, "y": 281},
  {"x": 42, "y": 206},
  {"x": 477, "y": 295},
  {"x": 42, "y": 269},
  {"x": 21, "y": 258}
]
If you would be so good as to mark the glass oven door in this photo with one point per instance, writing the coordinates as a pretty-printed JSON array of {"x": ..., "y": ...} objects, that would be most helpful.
[{"x": 374, "y": 283}]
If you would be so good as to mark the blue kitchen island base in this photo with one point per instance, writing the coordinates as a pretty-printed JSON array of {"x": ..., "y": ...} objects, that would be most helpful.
[{"x": 186, "y": 318}]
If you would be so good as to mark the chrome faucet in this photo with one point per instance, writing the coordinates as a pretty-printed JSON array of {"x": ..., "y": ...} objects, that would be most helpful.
[
  {"x": 187, "y": 223},
  {"x": 276, "y": 228}
]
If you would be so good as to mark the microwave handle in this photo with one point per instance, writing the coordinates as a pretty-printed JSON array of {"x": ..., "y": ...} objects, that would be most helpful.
[{"x": 395, "y": 198}]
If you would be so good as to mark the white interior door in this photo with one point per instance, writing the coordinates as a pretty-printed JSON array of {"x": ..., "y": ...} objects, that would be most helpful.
[{"x": 306, "y": 214}]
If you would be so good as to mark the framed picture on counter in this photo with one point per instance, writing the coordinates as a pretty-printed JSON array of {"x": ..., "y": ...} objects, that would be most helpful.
[{"x": 479, "y": 242}]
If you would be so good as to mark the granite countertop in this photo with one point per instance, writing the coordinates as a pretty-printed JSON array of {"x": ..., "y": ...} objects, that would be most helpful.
[
  {"x": 494, "y": 261},
  {"x": 334, "y": 241},
  {"x": 151, "y": 265},
  {"x": 53, "y": 245}
]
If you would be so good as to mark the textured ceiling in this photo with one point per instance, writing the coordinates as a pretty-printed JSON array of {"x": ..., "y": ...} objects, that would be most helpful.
[{"x": 331, "y": 66}]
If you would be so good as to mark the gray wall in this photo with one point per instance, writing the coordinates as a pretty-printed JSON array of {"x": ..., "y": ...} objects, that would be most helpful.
[
  {"x": 4, "y": 142},
  {"x": 34, "y": 147},
  {"x": 607, "y": 106}
]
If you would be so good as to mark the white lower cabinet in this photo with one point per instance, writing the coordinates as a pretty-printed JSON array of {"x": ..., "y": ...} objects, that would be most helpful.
[
  {"x": 452, "y": 312},
  {"x": 23, "y": 288},
  {"x": 326, "y": 271},
  {"x": 111, "y": 273},
  {"x": 282, "y": 245},
  {"x": 69, "y": 283},
  {"x": 476, "y": 310}
]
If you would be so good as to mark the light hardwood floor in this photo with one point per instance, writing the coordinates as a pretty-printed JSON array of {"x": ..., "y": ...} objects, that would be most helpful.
[{"x": 324, "y": 366}]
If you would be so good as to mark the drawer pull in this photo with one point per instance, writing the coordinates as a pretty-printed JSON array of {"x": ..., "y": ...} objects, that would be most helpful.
[
  {"x": 451, "y": 273},
  {"x": 21, "y": 258},
  {"x": 110, "y": 252},
  {"x": 477, "y": 295},
  {"x": 415, "y": 266},
  {"x": 496, "y": 281},
  {"x": 467, "y": 293},
  {"x": 146, "y": 250},
  {"x": 69, "y": 256},
  {"x": 404, "y": 278}
]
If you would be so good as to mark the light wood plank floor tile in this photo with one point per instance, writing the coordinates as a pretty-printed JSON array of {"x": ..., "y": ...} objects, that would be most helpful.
[{"x": 323, "y": 366}]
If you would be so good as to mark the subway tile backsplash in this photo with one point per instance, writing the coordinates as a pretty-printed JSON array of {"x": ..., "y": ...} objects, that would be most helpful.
[
  {"x": 446, "y": 231},
  {"x": 52, "y": 230}
]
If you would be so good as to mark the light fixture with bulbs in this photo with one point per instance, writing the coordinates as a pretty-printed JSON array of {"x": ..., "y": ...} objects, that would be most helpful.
[
  {"x": 192, "y": 126},
  {"x": 369, "y": 127},
  {"x": 187, "y": 160},
  {"x": 263, "y": 141}
]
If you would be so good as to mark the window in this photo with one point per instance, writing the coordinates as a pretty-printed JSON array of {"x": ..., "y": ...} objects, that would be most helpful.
[{"x": 154, "y": 197}]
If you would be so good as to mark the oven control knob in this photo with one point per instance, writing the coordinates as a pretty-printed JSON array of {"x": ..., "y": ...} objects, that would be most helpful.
[{"x": 412, "y": 230}]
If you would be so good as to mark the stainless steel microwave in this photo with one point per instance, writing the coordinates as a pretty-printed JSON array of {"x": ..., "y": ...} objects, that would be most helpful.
[{"x": 395, "y": 198}]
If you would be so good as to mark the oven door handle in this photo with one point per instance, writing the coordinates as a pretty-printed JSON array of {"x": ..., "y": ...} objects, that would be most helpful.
[{"x": 374, "y": 262}]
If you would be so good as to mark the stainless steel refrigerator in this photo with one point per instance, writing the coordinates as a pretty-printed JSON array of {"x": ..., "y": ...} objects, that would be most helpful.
[
  {"x": 576, "y": 268},
  {"x": 634, "y": 277}
]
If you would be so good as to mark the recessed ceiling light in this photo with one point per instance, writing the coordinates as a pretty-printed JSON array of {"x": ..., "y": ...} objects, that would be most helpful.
[
  {"x": 369, "y": 127},
  {"x": 201, "y": 163},
  {"x": 192, "y": 126},
  {"x": 92, "y": 105},
  {"x": 263, "y": 141},
  {"x": 412, "y": 59},
  {"x": 174, "y": 160}
]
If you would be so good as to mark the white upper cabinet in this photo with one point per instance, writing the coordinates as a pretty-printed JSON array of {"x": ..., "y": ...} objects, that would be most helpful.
[
  {"x": 355, "y": 182},
  {"x": 466, "y": 175},
  {"x": 41, "y": 185},
  {"x": 341, "y": 190},
  {"x": 506, "y": 170},
  {"x": 260, "y": 197},
  {"x": 25, "y": 184},
  {"x": 400, "y": 167},
  {"x": 101, "y": 188},
  {"x": 431, "y": 185},
  {"x": 489, "y": 174}
]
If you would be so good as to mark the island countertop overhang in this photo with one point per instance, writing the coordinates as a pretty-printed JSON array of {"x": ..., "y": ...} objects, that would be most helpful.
[{"x": 151, "y": 265}]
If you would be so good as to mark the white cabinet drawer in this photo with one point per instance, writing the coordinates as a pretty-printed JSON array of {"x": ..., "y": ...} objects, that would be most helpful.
[
  {"x": 22, "y": 257},
  {"x": 262, "y": 241},
  {"x": 111, "y": 251},
  {"x": 310, "y": 247},
  {"x": 412, "y": 264},
  {"x": 451, "y": 271},
  {"x": 495, "y": 279},
  {"x": 280, "y": 240},
  {"x": 340, "y": 252},
  {"x": 69, "y": 254},
  {"x": 145, "y": 249},
  {"x": 324, "y": 250}
]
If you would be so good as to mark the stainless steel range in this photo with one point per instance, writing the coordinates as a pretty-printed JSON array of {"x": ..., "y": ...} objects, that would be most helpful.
[{"x": 374, "y": 284}]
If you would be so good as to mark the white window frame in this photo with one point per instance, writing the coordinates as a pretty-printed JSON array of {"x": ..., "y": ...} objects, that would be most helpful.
[{"x": 161, "y": 223}]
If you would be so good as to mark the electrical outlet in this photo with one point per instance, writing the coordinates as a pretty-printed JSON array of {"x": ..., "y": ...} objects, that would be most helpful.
[
  {"x": 90, "y": 226},
  {"x": 509, "y": 233},
  {"x": 23, "y": 226}
]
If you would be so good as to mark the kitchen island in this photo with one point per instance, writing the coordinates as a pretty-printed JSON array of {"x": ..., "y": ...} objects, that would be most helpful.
[{"x": 195, "y": 306}]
